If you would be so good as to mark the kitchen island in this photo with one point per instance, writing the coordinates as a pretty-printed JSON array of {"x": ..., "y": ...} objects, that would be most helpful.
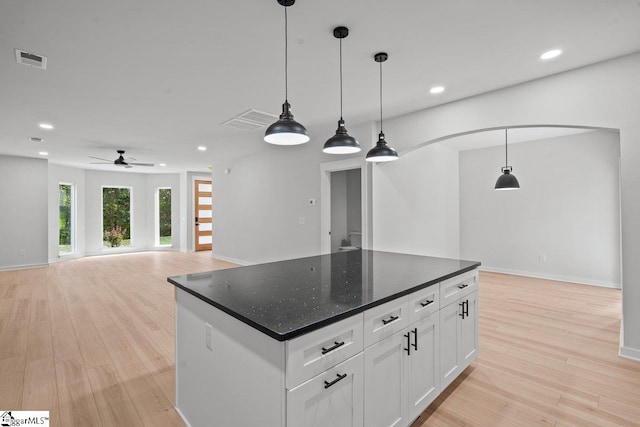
[{"x": 356, "y": 338}]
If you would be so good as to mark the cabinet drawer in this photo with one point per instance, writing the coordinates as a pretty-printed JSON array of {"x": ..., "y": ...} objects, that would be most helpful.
[
  {"x": 423, "y": 303},
  {"x": 385, "y": 320},
  {"x": 457, "y": 287},
  {"x": 317, "y": 351},
  {"x": 333, "y": 398}
]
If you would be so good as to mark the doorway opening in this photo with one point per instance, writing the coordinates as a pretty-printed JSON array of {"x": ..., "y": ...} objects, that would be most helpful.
[{"x": 346, "y": 210}]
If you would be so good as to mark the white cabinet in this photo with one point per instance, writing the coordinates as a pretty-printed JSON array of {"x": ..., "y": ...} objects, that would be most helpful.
[
  {"x": 423, "y": 376},
  {"x": 401, "y": 374},
  {"x": 331, "y": 399},
  {"x": 468, "y": 330},
  {"x": 458, "y": 337}
]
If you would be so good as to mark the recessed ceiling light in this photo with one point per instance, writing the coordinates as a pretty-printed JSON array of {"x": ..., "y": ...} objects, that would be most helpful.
[
  {"x": 163, "y": 164},
  {"x": 202, "y": 148},
  {"x": 43, "y": 153},
  {"x": 437, "y": 89},
  {"x": 551, "y": 54},
  {"x": 46, "y": 126}
]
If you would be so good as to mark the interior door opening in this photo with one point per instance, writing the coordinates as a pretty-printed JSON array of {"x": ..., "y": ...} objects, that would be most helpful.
[{"x": 346, "y": 210}]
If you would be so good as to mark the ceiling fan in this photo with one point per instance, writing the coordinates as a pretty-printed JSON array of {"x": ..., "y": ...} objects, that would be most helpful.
[{"x": 120, "y": 161}]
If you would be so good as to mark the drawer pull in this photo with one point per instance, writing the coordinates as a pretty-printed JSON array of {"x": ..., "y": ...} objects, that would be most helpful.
[
  {"x": 415, "y": 339},
  {"x": 333, "y": 347},
  {"x": 466, "y": 308},
  {"x": 328, "y": 384},
  {"x": 389, "y": 320},
  {"x": 464, "y": 285},
  {"x": 462, "y": 313},
  {"x": 426, "y": 303},
  {"x": 408, "y": 349}
]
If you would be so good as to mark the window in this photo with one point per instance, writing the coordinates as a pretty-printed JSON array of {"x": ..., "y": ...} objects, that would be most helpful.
[
  {"x": 66, "y": 236},
  {"x": 163, "y": 217},
  {"x": 116, "y": 216}
]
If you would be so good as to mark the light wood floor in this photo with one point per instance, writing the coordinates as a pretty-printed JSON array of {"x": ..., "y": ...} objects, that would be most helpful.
[{"x": 92, "y": 341}]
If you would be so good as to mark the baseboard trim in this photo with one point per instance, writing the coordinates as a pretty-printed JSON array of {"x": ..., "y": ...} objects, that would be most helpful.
[
  {"x": 630, "y": 353},
  {"x": 20, "y": 267},
  {"x": 181, "y": 415},
  {"x": 233, "y": 260},
  {"x": 580, "y": 281}
]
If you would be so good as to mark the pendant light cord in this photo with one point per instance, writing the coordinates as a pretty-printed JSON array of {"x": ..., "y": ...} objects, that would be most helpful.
[
  {"x": 506, "y": 155},
  {"x": 340, "y": 79},
  {"x": 286, "y": 61},
  {"x": 380, "y": 97}
]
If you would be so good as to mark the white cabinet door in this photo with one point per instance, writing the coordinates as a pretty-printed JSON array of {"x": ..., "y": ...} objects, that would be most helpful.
[
  {"x": 449, "y": 364},
  {"x": 423, "y": 379},
  {"x": 468, "y": 330},
  {"x": 385, "y": 382},
  {"x": 332, "y": 399}
]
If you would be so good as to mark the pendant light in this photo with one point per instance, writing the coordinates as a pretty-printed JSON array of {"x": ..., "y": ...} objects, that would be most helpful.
[
  {"x": 507, "y": 181},
  {"x": 286, "y": 131},
  {"x": 381, "y": 152},
  {"x": 341, "y": 142}
]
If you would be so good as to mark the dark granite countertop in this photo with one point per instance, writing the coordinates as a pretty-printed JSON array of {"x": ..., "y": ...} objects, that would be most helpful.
[{"x": 286, "y": 299}]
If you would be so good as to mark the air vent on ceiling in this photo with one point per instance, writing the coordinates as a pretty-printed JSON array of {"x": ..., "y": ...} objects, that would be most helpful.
[
  {"x": 31, "y": 59},
  {"x": 251, "y": 120},
  {"x": 35, "y": 139}
]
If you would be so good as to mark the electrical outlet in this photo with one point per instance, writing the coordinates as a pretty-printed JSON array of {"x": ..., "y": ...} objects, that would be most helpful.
[
  {"x": 22, "y": 252},
  {"x": 542, "y": 258},
  {"x": 302, "y": 220},
  {"x": 208, "y": 333}
]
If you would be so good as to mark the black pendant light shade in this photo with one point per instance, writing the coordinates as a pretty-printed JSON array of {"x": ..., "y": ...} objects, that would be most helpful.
[
  {"x": 341, "y": 142},
  {"x": 381, "y": 152},
  {"x": 507, "y": 181},
  {"x": 286, "y": 131}
]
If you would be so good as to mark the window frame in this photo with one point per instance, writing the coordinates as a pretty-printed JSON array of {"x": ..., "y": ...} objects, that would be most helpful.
[
  {"x": 131, "y": 234},
  {"x": 73, "y": 220},
  {"x": 157, "y": 218}
]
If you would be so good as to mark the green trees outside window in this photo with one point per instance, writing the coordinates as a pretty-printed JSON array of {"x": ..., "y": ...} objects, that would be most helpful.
[
  {"x": 164, "y": 216},
  {"x": 116, "y": 216},
  {"x": 66, "y": 215}
]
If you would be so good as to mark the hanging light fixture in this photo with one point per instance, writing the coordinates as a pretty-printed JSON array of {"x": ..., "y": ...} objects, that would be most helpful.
[
  {"x": 507, "y": 181},
  {"x": 341, "y": 142},
  {"x": 381, "y": 152},
  {"x": 286, "y": 131}
]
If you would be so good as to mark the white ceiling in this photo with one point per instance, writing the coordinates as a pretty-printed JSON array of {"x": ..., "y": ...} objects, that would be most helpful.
[{"x": 158, "y": 78}]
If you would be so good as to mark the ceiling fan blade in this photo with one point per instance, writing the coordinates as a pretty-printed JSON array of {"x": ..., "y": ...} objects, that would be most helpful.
[
  {"x": 101, "y": 163},
  {"x": 100, "y": 158},
  {"x": 142, "y": 164}
]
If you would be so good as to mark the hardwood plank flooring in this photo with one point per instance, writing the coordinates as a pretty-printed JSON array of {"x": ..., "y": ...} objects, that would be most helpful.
[{"x": 92, "y": 341}]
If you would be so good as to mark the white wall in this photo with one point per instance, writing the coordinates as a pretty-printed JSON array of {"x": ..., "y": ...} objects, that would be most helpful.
[
  {"x": 23, "y": 212},
  {"x": 567, "y": 210},
  {"x": 416, "y": 203},
  {"x": 257, "y": 206},
  {"x": 62, "y": 174}
]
